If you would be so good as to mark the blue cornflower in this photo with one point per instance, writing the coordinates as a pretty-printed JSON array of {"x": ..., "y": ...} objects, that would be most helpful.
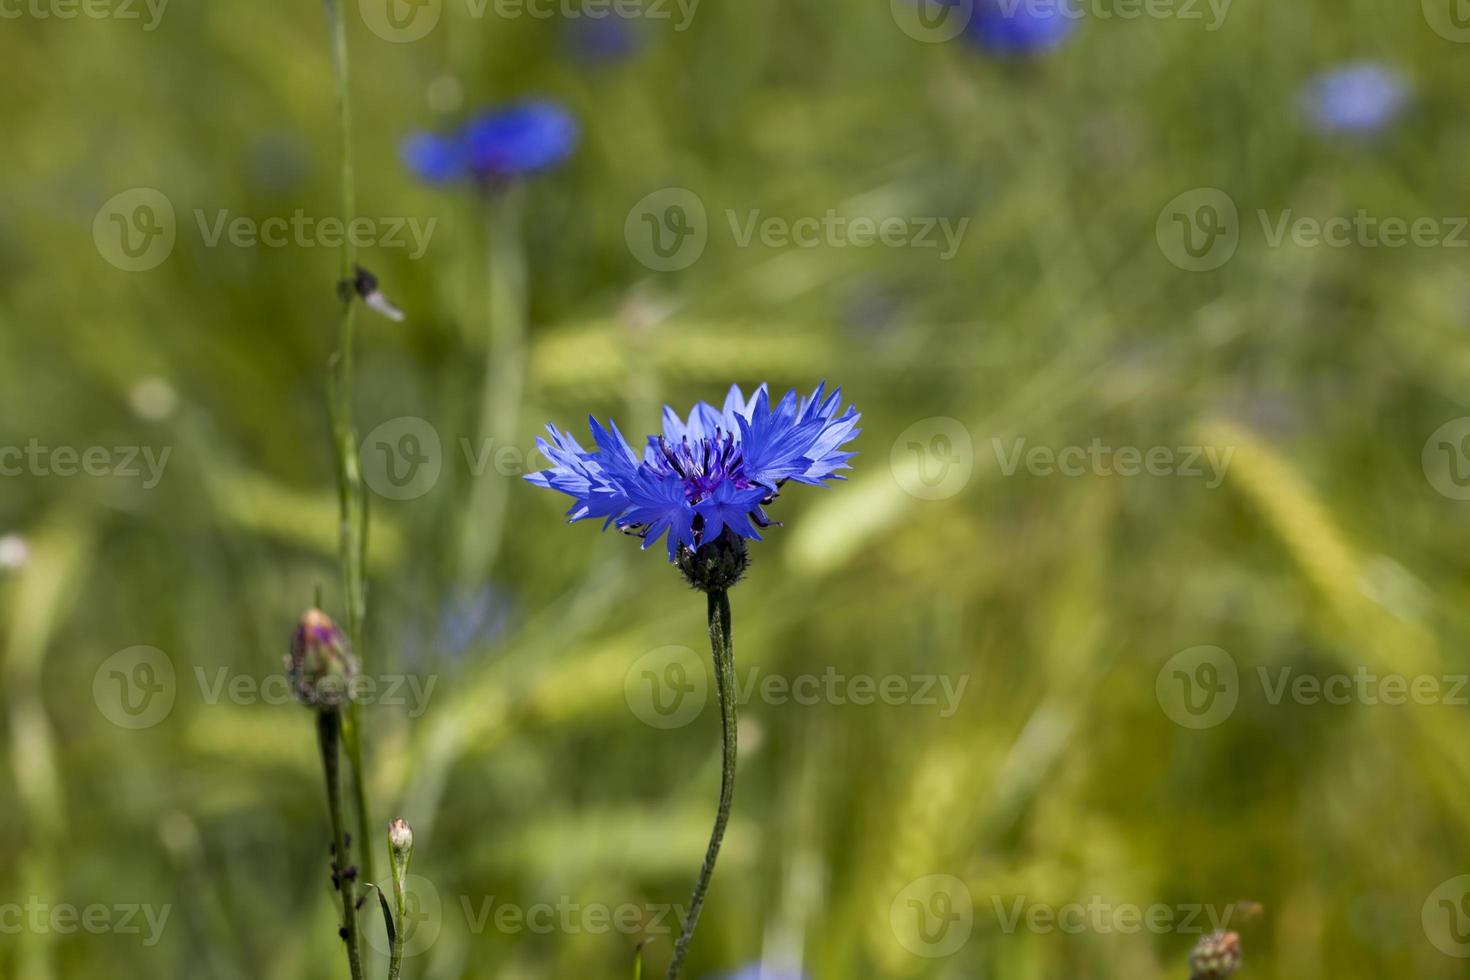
[
  {"x": 603, "y": 40},
  {"x": 495, "y": 146},
  {"x": 710, "y": 476},
  {"x": 1357, "y": 99},
  {"x": 1021, "y": 27},
  {"x": 758, "y": 971}
]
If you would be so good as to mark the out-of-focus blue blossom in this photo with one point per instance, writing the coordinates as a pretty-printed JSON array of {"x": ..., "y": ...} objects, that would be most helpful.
[
  {"x": 1021, "y": 27},
  {"x": 434, "y": 158},
  {"x": 713, "y": 473},
  {"x": 602, "y": 40},
  {"x": 1358, "y": 99},
  {"x": 495, "y": 146},
  {"x": 470, "y": 618},
  {"x": 466, "y": 620},
  {"x": 757, "y": 971}
]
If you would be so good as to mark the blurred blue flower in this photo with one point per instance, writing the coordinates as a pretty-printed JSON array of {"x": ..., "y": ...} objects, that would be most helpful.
[
  {"x": 1021, "y": 27},
  {"x": 602, "y": 40},
  {"x": 497, "y": 145},
  {"x": 471, "y": 618},
  {"x": 1356, "y": 99},
  {"x": 756, "y": 971},
  {"x": 715, "y": 472}
]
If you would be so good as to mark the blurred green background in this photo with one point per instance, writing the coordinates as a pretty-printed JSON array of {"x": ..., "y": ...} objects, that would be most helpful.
[{"x": 1063, "y": 775}]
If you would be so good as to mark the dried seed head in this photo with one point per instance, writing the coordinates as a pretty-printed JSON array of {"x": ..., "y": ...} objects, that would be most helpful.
[{"x": 1215, "y": 957}]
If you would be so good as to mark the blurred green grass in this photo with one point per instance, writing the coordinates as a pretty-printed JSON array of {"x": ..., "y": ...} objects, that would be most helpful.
[{"x": 1059, "y": 321}]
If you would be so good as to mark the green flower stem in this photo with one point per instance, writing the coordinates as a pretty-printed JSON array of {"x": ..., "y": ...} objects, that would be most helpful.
[
  {"x": 352, "y": 500},
  {"x": 504, "y": 373},
  {"x": 400, "y": 853},
  {"x": 724, "y": 657},
  {"x": 329, "y": 731}
]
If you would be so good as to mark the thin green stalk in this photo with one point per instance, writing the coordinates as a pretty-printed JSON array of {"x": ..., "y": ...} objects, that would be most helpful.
[
  {"x": 724, "y": 657},
  {"x": 329, "y": 729},
  {"x": 352, "y": 500},
  {"x": 395, "y": 955},
  {"x": 504, "y": 374}
]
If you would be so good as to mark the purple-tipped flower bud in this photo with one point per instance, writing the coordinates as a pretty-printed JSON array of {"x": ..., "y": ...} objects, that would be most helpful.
[
  {"x": 1215, "y": 956},
  {"x": 321, "y": 665}
]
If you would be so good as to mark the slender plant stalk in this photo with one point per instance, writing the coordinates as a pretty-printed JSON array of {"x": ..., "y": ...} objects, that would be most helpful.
[
  {"x": 724, "y": 657},
  {"x": 329, "y": 729},
  {"x": 504, "y": 374},
  {"x": 352, "y": 500},
  {"x": 395, "y": 956}
]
